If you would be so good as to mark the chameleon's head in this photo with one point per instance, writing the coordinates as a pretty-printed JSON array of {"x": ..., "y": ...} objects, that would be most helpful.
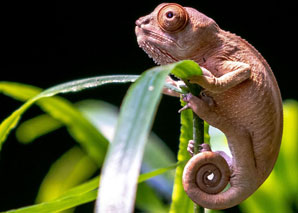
[{"x": 172, "y": 32}]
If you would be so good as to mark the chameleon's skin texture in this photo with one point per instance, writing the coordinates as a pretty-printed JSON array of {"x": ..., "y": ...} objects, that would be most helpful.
[{"x": 243, "y": 98}]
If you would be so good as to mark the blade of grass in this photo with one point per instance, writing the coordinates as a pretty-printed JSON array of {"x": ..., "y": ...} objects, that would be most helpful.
[
  {"x": 36, "y": 127},
  {"x": 32, "y": 94},
  {"x": 79, "y": 195},
  {"x": 79, "y": 127},
  {"x": 122, "y": 164},
  {"x": 123, "y": 161},
  {"x": 180, "y": 201},
  {"x": 147, "y": 200},
  {"x": 71, "y": 169},
  {"x": 58, "y": 204},
  {"x": 104, "y": 117},
  {"x": 16, "y": 90},
  {"x": 69, "y": 87}
]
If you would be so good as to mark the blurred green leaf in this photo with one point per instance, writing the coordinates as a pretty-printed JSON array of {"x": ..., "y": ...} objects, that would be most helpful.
[
  {"x": 18, "y": 91},
  {"x": 147, "y": 199},
  {"x": 69, "y": 170},
  {"x": 58, "y": 204},
  {"x": 289, "y": 148},
  {"x": 159, "y": 171},
  {"x": 81, "y": 194},
  {"x": 218, "y": 140},
  {"x": 11, "y": 121},
  {"x": 104, "y": 117},
  {"x": 180, "y": 201},
  {"x": 36, "y": 127},
  {"x": 158, "y": 155},
  {"x": 24, "y": 92}
]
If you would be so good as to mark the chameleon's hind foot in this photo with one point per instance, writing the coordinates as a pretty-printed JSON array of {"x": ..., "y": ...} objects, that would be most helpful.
[{"x": 202, "y": 147}]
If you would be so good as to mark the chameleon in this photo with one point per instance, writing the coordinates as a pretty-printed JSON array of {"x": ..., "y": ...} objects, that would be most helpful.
[{"x": 240, "y": 97}]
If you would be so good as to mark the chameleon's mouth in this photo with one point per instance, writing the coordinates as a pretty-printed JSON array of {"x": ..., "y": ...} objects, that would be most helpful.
[
  {"x": 159, "y": 56},
  {"x": 155, "y": 45},
  {"x": 151, "y": 47},
  {"x": 153, "y": 37}
]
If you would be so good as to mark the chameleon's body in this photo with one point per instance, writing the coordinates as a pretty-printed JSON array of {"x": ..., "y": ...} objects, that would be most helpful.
[{"x": 246, "y": 103}]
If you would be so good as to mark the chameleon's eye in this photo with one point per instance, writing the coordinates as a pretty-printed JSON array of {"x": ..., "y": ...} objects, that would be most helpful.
[{"x": 172, "y": 17}]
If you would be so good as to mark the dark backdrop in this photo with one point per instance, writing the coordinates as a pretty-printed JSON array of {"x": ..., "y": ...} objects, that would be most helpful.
[{"x": 46, "y": 42}]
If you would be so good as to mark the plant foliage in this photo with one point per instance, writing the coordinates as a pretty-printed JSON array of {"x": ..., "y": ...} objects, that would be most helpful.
[{"x": 94, "y": 124}]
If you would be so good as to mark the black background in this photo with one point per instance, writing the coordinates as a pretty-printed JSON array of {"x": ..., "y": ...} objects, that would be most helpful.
[{"x": 46, "y": 43}]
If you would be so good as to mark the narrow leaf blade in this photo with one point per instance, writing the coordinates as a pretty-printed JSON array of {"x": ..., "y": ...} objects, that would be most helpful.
[
  {"x": 122, "y": 164},
  {"x": 14, "y": 90},
  {"x": 123, "y": 160},
  {"x": 79, "y": 195},
  {"x": 180, "y": 201},
  {"x": 69, "y": 170}
]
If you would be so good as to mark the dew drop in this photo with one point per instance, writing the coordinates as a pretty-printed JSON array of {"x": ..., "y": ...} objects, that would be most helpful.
[{"x": 151, "y": 88}]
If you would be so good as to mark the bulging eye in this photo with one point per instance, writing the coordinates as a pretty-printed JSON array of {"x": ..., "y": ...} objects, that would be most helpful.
[{"x": 172, "y": 17}]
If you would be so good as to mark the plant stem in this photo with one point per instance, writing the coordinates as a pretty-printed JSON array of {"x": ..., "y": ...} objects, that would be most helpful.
[
  {"x": 198, "y": 133},
  {"x": 198, "y": 137}
]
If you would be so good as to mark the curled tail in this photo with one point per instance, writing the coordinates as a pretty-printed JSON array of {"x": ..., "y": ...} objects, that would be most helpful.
[{"x": 206, "y": 176}]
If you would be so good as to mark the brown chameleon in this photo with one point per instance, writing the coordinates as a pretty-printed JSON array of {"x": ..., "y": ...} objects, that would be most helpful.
[{"x": 241, "y": 98}]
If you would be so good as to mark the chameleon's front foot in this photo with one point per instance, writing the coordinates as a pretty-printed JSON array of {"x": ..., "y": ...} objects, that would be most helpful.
[
  {"x": 202, "y": 147},
  {"x": 186, "y": 98},
  {"x": 202, "y": 103}
]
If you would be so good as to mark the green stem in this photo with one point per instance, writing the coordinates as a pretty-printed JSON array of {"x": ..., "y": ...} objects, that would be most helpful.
[
  {"x": 198, "y": 133},
  {"x": 198, "y": 137}
]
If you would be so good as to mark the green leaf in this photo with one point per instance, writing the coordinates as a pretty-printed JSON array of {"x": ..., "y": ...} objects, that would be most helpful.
[
  {"x": 186, "y": 69},
  {"x": 149, "y": 175},
  {"x": 11, "y": 121},
  {"x": 78, "y": 85},
  {"x": 19, "y": 91},
  {"x": 122, "y": 164},
  {"x": 180, "y": 201},
  {"x": 57, "y": 107},
  {"x": 158, "y": 155},
  {"x": 79, "y": 127},
  {"x": 147, "y": 200},
  {"x": 69, "y": 170},
  {"x": 79, "y": 195},
  {"x": 123, "y": 161},
  {"x": 33, "y": 128},
  {"x": 59, "y": 204},
  {"x": 103, "y": 116}
]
